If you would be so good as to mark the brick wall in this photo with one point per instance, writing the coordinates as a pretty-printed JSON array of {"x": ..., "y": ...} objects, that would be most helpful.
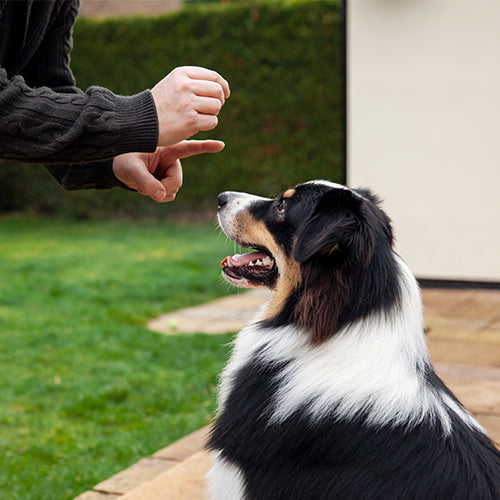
[{"x": 124, "y": 7}]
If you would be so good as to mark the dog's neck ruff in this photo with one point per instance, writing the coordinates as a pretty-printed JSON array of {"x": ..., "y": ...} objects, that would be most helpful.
[{"x": 376, "y": 368}]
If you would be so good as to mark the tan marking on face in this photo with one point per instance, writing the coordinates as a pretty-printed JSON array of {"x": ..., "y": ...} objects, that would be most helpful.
[
  {"x": 288, "y": 280},
  {"x": 255, "y": 232},
  {"x": 289, "y": 193}
]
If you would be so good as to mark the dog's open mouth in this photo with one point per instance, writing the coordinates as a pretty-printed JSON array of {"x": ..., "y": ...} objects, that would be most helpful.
[{"x": 250, "y": 269}]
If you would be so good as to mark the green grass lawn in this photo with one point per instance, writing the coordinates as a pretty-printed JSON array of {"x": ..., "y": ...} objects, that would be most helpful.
[{"x": 85, "y": 388}]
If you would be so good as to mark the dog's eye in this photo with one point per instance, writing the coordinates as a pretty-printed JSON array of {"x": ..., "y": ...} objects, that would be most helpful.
[{"x": 281, "y": 207}]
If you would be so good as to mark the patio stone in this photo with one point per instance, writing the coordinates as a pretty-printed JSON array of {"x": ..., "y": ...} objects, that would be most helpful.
[
  {"x": 478, "y": 388},
  {"x": 135, "y": 475},
  {"x": 185, "y": 447},
  {"x": 229, "y": 314},
  {"x": 185, "y": 481}
]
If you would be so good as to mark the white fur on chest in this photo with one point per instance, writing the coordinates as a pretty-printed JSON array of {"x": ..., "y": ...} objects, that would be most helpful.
[
  {"x": 225, "y": 481},
  {"x": 374, "y": 367}
]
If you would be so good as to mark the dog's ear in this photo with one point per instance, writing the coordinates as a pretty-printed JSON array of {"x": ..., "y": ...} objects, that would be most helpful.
[
  {"x": 333, "y": 230},
  {"x": 332, "y": 246}
]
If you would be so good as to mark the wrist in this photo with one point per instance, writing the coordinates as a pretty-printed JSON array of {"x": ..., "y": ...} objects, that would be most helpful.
[{"x": 138, "y": 121}]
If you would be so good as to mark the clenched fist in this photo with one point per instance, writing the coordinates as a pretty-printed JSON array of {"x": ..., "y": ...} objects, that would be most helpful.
[{"x": 188, "y": 101}]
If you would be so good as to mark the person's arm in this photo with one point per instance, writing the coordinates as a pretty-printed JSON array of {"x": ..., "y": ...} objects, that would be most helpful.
[
  {"x": 183, "y": 103},
  {"x": 45, "y": 118},
  {"x": 42, "y": 125},
  {"x": 59, "y": 122}
]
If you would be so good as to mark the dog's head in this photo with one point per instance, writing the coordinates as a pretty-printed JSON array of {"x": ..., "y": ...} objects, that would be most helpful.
[{"x": 325, "y": 249}]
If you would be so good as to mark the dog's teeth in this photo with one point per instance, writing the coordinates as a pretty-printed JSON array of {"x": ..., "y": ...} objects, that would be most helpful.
[
  {"x": 258, "y": 263},
  {"x": 267, "y": 261},
  {"x": 251, "y": 264}
]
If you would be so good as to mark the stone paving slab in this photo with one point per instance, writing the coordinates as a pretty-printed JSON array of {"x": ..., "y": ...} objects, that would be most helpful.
[
  {"x": 464, "y": 309},
  {"x": 134, "y": 476},
  {"x": 464, "y": 353},
  {"x": 492, "y": 424},
  {"x": 477, "y": 387},
  {"x": 185, "y": 447},
  {"x": 439, "y": 328},
  {"x": 226, "y": 315},
  {"x": 183, "y": 482}
]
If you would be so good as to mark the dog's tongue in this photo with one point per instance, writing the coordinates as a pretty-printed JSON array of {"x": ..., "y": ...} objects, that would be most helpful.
[{"x": 242, "y": 259}]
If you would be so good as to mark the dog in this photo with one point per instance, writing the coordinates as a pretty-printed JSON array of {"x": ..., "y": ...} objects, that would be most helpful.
[{"x": 330, "y": 392}]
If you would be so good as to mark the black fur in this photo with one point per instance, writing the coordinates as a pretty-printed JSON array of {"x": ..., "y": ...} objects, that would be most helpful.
[{"x": 330, "y": 459}]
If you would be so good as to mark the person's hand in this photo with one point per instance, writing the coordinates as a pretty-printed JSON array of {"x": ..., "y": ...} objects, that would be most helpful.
[
  {"x": 188, "y": 101},
  {"x": 159, "y": 174}
]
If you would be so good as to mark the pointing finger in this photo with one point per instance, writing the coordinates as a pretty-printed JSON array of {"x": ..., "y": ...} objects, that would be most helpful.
[{"x": 184, "y": 149}]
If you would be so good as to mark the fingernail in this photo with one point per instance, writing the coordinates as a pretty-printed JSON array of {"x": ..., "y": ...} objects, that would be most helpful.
[{"x": 159, "y": 195}]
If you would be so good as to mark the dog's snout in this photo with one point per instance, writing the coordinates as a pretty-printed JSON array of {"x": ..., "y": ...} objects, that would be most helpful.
[
  {"x": 222, "y": 200},
  {"x": 235, "y": 200}
]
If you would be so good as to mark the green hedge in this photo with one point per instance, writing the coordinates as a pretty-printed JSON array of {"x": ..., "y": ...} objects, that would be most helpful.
[{"x": 282, "y": 124}]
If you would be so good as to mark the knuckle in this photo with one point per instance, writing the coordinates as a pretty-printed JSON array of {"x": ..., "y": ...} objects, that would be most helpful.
[
  {"x": 213, "y": 74},
  {"x": 182, "y": 85},
  {"x": 192, "y": 118},
  {"x": 186, "y": 102},
  {"x": 180, "y": 70}
]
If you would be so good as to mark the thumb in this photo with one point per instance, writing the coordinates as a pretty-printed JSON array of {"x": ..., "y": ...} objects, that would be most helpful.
[
  {"x": 132, "y": 170},
  {"x": 148, "y": 185}
]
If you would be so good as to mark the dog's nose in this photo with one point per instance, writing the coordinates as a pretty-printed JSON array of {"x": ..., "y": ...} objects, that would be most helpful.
[{"x": 222, "y": 200}]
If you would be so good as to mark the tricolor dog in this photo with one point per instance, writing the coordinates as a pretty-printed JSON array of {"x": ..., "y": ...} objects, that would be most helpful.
[{"x": 330, "y": 392}]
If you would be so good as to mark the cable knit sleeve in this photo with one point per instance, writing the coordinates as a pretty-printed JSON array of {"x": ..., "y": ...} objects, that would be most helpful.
[
  {"x": 44, "y": 118},
  {"x": 41, "y": 125}
]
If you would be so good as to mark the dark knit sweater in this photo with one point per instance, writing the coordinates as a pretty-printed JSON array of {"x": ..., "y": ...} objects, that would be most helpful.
[{"x": 44, "y": 118}]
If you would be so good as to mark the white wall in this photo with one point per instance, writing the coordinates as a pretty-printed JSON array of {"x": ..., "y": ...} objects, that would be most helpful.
[{"x": 424, "y": 128}]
